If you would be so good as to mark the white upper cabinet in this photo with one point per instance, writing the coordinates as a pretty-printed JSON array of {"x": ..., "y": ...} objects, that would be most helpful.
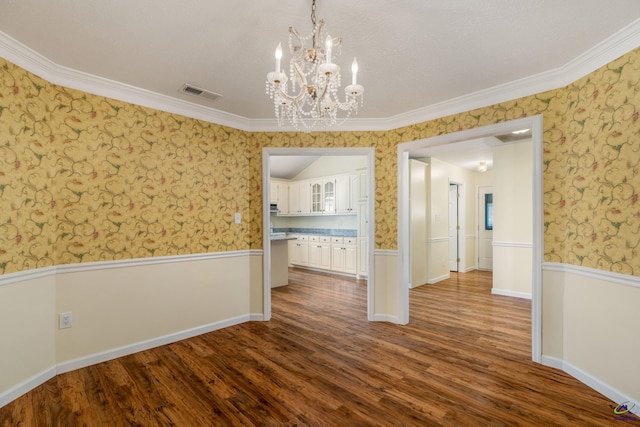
[
  {"x": 347, "y": 193},
  {"x": 299, "y": 198},
  {"x": 320, "y": 196},
  {"x": 279, "y": 195}
]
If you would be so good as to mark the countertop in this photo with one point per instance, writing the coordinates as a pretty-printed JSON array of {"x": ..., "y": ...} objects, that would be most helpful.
[{"x": 275, "y": 238}]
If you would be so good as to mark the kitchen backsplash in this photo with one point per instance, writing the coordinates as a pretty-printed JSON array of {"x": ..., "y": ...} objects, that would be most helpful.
[{"x": 319, "y": 231}]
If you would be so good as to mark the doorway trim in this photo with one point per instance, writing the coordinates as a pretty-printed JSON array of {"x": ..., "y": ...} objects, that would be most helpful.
[
  {"x": 403, "y": 274},
  {"x": 461, "y": 229},
  {"x": 267, "y": 152}
]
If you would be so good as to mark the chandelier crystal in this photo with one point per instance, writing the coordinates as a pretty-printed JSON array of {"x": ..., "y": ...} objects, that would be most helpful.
[{"x": 308, "y": 97}]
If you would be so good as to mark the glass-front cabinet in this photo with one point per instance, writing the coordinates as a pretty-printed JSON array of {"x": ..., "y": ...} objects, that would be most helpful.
[
  {"x": 323, "y": 197},
  {"x": 329, "y": 197},
  {"x": 316, "y": 197}
]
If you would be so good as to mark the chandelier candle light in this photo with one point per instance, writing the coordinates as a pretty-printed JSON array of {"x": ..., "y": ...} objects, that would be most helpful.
[{"x": 314, "y": 81}]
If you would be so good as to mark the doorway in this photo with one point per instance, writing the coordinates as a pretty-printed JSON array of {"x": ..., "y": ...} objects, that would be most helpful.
[
  {"x": 404, "y": 150},
  {"x": 267, "y": 154},
  {"x": 454, "y": 227},
  {"x": 485, "y": 228}
]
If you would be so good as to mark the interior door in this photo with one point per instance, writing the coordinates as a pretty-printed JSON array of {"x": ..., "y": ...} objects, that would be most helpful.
[
  {"x": 485, "y": 228},
  {"x": 454, "y": 227}
]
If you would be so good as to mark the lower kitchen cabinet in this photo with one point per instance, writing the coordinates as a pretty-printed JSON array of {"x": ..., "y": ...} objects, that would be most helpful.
[
  {"x": 339, "y": 254},
  {"x": 320, "y": 252},
  {"x": 344, "y": 255},
  {"x": 299, "y": 251}
]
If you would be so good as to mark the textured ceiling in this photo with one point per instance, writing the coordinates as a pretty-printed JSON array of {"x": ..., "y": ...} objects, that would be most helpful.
[{"x": 412, "y": 54}]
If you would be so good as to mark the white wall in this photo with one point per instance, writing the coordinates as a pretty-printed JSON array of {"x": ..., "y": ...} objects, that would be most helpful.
[
  {"x": 332, "y": 165},
  {"x": 512, "y": 219},
  {"x": 119, "y": 307},
  {"x": 420, "y": 177},
  {"x": 341, "y": 222},
  {"x": 590, "y": 328},
  {"x": 441, "y": 175},
  {"x": 27, "y": 327}
]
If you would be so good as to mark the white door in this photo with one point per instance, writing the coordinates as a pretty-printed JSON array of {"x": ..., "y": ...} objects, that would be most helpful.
[
  {"x": 485, "y": 228},
  {"x": 453, "y": 227}
]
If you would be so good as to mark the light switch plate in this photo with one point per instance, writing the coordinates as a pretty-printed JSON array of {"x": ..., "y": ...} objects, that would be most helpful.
[{"x": 237, "y": 217}]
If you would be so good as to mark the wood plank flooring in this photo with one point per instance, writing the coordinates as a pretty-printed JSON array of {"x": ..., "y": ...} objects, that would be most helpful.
[{"x": 464, "y": 360}]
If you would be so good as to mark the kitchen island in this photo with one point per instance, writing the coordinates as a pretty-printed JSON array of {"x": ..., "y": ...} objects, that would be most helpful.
[{"x": 280, "y": 259}]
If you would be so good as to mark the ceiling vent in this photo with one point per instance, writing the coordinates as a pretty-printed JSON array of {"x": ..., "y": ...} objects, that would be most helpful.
[{"x": 199, "y": 92}]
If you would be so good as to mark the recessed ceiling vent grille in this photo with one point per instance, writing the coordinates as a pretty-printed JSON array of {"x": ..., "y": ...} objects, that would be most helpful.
[{"x": 199, "y": 92}]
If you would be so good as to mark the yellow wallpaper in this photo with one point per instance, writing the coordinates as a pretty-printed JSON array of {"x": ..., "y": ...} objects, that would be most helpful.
[{"x": 85, "y": 178}]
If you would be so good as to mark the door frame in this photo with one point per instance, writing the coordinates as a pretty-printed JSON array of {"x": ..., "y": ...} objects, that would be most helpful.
[
  {"x": 267, "y": 152},
  {"x": 403, "y": 274},
  {"x": 480, "y": 221},
  {"x": 461, "y": 219}
]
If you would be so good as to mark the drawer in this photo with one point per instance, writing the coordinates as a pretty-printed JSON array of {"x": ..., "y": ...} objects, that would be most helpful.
[
  {"x": 325, "y": 239},
  {"x": 337, "y": 240},
  {"x": 303, "y": 238},
  {"x": 314, "y": 238},
  {"x": 350, "y": 241}
]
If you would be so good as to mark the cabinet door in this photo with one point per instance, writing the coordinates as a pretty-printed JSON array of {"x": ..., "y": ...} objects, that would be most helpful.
[
  {"x": 304, "y": 200},
  {"x": 343, "y": 204},
  {"x": 315, "y": 255},
  {"x": 329, "y": 196},
  {"x": 354, "y": 189},
  {"x": 363, "y": 185},
  {"x": 303, "y": 253},
  {"x": 273, "y": 192},
  {"x": 350, "y": 259},
  {"x": 283, "y": 198},
  {"x": 325, "y": 257},
  {"x": 337, "y": 258},
  {"x": 300, "y": 253},
  {"x": 316, "y": 197},
  {"x": 294, "y": 198}
]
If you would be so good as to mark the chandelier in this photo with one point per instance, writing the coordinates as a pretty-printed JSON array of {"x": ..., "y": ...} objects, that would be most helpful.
[{"x": 308, "y": 98}]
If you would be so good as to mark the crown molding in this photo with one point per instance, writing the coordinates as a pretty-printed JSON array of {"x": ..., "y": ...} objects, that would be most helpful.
[
  {"x": 32, "y": 61},
  {"x": 604, "y": 52}
]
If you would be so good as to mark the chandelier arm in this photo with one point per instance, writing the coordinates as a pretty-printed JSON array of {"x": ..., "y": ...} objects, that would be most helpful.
[{"x": 291, "y": 98}]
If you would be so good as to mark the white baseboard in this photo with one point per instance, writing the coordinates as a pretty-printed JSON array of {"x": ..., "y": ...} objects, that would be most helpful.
[
  {"x": 256, "y": 317},
  {"x": 439, "y": 278},
  {"x": 85, "y": 361},
  {"x": 28, "y": 385},
  {"x": 386, "y": 318},
  {"x": 591, "y": 381},
  {"x": 514, "y": 294}
]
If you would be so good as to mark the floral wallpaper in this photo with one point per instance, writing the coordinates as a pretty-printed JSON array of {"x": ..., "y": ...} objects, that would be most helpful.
[{"x": 85, "y": 178}]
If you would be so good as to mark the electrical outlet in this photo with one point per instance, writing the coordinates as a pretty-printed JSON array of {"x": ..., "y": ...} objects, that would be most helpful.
[
  {"x": 237, "y": 217},
  {"x": 65, "y": 320}
]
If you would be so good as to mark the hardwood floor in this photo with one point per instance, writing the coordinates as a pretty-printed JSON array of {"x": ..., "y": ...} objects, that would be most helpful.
[{"x": 464, "y": 360}]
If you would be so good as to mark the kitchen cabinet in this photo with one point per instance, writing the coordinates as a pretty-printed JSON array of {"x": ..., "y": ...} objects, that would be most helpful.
[
  {"x": 279, "y": 195},
  {"x": 299, "y": 251},
  {"x": 347, "y": 192},
  {"x": 320, "y": 252},
  {"x": 363, "y": 185},
  {"x": 323, "y": 193},
  {"x": 344, "y": 255},
  {"x": 299, "y": 198}
]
